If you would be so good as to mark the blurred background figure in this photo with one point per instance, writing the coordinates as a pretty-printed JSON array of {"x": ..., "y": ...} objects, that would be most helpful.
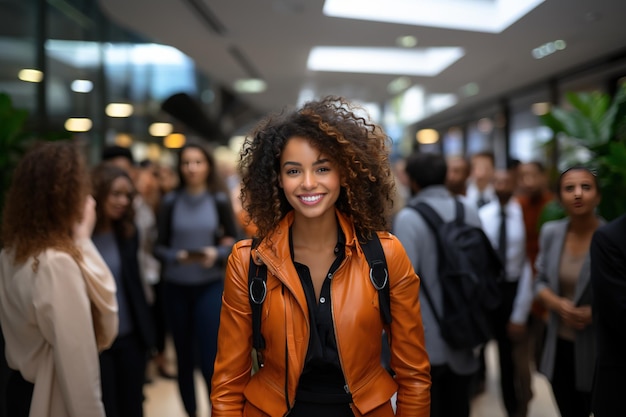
[
  {"x": 123, "y": 365},
  {"x": 196, "y": 232},
  {"x": 57, "y": 296},
  {"x": 480, "y": 187},
  {"x": 457, "y": 175},
  {"x": 533, "y": 196},
  {"x": 608, "y": 280},
  {"x": 503, "y": 223},
  {"x": 562, "y": 285}
]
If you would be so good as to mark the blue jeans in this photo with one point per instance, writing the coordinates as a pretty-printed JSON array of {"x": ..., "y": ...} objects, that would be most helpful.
[{"x": 193, "y": 312}]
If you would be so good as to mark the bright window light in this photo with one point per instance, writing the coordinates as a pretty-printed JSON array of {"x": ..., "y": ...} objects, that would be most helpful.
[
  {"x": 474, "y": 15},
  {"x": 427, "y": 62}
]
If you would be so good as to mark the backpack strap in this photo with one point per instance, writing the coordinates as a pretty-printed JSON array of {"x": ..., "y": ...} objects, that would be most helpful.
[
  {"x": 379, "y": 274},
  {"x": 257, "y": 290},
  {"x": 434, "y": 221},
  {"x": 257, "y": 287}
]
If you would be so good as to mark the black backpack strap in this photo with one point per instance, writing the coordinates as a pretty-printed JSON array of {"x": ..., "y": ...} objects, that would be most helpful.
[
  {"x": 379, "y": 274},
  {"x": 433, "y": 221},
  {"x": 257, "y": 290}
]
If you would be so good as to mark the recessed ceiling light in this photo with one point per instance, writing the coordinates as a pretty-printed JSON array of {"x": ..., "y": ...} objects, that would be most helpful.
[
  {"x": 78, "y": 124},
  {"x": 174, "y": 140},
  {"x": 539, "y": 109},
  {"x": 30, "y": 75},
  {"x": 119, "y": 110},
  {"x": 421, "y": 62},
  {"x": 470, "y": 89},
  {"x": 492, "y": 16},
  {"x": 406, "y": 41},
  {"x": 549, "y": 48},
  {"x": 427, "y": 136},
  {"x": 160, "y": 129},
  {"x": 82, "y": 86},
  {"x": 250, "y": 85}
]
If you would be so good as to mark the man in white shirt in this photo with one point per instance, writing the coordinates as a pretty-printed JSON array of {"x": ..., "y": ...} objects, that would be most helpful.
[
  {"x": 480, "y": 189},
  {"x": 503, "y": 223}
]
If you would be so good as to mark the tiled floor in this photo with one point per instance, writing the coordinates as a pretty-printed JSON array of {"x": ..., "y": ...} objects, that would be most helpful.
[{"x": 163, "y": 400}]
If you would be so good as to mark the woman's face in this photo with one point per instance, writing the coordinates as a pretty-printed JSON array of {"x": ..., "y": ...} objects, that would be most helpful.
[
  {"x": 579, "y": 194},
  {"x": 310, "y": 180},
  {"x": 194, "y": 167},
  {"x": 119, "y": 198}
]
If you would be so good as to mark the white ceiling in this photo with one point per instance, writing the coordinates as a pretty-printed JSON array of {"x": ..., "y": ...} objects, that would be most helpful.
[{"x": 272, "y": 39}]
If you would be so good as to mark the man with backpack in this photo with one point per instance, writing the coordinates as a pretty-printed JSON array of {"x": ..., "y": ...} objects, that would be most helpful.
[{"x": 445, "y": 274}]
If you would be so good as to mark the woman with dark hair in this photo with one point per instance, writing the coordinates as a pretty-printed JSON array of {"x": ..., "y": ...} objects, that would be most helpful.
[
  {"x": 563, "y": 286},
  {"x": 123, "y": 365},
  {"x": 317, "y": 184},
  {"x": 57, "y": 295},
  {"x": 196, "y": 231}
]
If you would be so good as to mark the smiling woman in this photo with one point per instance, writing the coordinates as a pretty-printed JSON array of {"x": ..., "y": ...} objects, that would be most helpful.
[{"x": 317, "y": 183}]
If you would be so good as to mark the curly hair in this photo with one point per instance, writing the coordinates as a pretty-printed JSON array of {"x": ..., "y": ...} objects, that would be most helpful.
[
  {"x": 102, "y": 177},
  {"x": 45, "y": 200},
  {"x": 344, "y": 133}
]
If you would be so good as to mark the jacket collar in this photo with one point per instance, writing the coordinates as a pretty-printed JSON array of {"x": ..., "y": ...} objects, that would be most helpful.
[{"x": 275, "y": 253}]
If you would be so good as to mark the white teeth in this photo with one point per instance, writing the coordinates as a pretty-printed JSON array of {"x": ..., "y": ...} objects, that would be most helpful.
[{"x": 310, "y": 199}]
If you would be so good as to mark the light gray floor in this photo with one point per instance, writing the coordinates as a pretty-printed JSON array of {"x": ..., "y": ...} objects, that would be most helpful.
[{"x": 163, "y": 400}]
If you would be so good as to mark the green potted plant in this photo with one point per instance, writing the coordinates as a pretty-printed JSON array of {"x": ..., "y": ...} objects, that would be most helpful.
[{"x": 591, "y": 131}]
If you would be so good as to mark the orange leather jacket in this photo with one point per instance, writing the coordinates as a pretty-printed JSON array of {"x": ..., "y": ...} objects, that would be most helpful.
[{"x": 285, "y": 327}]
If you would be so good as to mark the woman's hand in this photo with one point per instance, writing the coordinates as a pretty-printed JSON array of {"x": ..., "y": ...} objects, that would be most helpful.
[
  {"x": 84, "y": 228},
  {"x": 575, "y": 317},
  {"x": 210, "y": 256}
]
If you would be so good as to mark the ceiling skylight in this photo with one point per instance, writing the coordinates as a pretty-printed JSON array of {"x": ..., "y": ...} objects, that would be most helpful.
[
  {"x": 426, "y": 62},
  {"x": 492, "y": 16}
]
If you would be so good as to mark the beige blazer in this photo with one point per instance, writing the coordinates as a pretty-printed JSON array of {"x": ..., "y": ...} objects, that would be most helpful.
[{"x": 55, "y": 320}]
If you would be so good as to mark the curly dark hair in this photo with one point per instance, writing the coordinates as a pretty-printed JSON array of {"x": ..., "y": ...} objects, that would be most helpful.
[
  {"x": 102, "y": 177},
  {"x": 344, "y": 133},
  {"x": 45, "y": 200}
]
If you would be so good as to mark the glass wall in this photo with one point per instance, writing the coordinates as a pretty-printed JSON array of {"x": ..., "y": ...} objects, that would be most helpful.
[{"x": 74, "y": 70}]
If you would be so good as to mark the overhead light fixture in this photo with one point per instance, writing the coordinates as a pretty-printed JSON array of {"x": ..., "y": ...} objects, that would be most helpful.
[
  {"x": 119, "y": 110},
  {"x": 470, "y": 89},
  {"x": 427, "y": 136},
  {"x": 30, "y": 75},
  {"x": 398, "y": 85},
  {"x": 78, "y": 124},
  {"x": 408, "y": 41},
  {"x": 250, "y": 86},
  {"x": 492, "y": 16},
  {"x": 425, "y": 62},
  {"x": 174, "y": 140},
  {"x": 82, "y": 86},
  {"x": 548, "y": 49},
  {"x": 160, "y": 129}
]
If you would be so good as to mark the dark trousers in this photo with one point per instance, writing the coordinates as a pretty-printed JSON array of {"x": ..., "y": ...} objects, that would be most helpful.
[
  {"x": 449, "y": 393},
  {"x": 509, "y": 381},
  {"x": 122, "y": 371},
  {"x": 571, "y": 402},
  {"x": 158, "y": 314},
  {"x": 19, "y": 394},
  {"x": 193, "y": 312}
]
